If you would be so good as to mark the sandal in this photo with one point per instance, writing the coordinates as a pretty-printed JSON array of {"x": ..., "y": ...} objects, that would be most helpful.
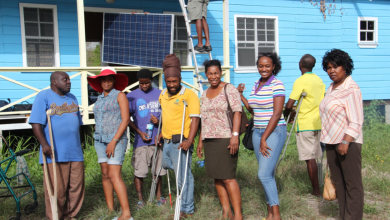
[
  {"x": 140, "y": 204},
  {"x": 161, "y": 201}
]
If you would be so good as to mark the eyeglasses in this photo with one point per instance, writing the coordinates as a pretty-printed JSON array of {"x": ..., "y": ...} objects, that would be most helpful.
[{"x": 261, "y": 54}]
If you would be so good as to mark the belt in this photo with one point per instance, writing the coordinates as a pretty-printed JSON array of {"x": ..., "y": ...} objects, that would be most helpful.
[{"x": 167, "y": 141}]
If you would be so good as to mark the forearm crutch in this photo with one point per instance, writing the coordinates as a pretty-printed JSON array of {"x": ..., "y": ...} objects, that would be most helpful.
[
  {"x": 154, "y": 164},
  {"x": 319, "y": 164},
  {"x": 169, "y": 188},
  {"x": 52, "y": 197},
  {"x": 179, "y": 194},
  {"x": 304, "y": 94}
]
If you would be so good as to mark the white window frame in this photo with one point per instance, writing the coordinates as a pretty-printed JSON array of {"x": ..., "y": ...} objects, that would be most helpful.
[
  {"x": 239, "y": 69},
  {"x": 368, "y": 44},
  {"x": 189, "y": 55},
  {"x": 55, "y": 30}
]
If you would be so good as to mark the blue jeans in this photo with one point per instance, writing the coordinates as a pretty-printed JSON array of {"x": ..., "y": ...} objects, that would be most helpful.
[
  {"x": 169, "y": 161},
  {"x": 266, "y": 165}
]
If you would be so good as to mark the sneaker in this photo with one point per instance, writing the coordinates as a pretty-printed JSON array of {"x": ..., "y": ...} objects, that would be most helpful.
[
  {"x": 140, "y": 204},
  {"x": 161, "y": 201},
  {"x": 207, "y": 48},
  {"x": 199, "y": 49}
]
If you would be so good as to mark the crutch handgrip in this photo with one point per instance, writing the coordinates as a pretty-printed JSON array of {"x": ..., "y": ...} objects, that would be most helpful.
[{"x": 304, "y": 94}]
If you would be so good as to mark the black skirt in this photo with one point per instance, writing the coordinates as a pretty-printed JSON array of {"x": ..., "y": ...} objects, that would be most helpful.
[{"x": 220, "y": 164}]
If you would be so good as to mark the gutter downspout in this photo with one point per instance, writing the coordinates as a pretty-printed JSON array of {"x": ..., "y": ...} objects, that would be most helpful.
[{"x": 226, "y": 46}]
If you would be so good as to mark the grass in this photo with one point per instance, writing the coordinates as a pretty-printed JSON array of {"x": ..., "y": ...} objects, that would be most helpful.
[{"x": 293, "y": 183}]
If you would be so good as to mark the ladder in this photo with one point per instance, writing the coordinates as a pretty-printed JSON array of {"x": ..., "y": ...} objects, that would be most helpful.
[{"x": 191, "y": 43}]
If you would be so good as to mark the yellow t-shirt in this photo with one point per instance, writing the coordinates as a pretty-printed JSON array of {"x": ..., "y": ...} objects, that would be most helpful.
[
  {"x": 172, "y": 112},
  {"x": 309, "y": 113}
]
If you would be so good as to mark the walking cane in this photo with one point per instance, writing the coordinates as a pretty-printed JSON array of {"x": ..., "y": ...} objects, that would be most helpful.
[
  {"x": 304, "y": 94},
  {"x": 155, "y": 178},
  {"x": 52, "y": 198},
  {"x": 169, "y": 188},
  {"x": 320, "y": 173},
  {"x": 179, "y": 194}
]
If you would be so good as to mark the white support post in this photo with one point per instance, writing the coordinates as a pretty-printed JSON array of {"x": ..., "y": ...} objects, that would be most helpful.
[
  {"x": 160, "y": 80},
  {"x": 226, "y": 47}
]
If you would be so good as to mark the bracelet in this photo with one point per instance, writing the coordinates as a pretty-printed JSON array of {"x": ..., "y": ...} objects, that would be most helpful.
[{"x": 115, "y": 139}]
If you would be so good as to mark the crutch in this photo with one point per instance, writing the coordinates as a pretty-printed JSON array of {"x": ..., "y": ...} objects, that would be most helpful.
[
  {"x": 52, "y": 197},
  {"x": 154, "y": 179},
  {"x": 304, "y": 94},
  {"x": 179, "y": 194},
  {"x": 169, "y": 188},
  {"x": 319, "y": 164}
]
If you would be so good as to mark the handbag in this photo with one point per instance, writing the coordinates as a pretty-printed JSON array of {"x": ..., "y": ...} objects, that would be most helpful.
[
  {"x": 4, "y": 103},
  {"x": 24, "y": 106},
  {"x": 230, "y": 115},
  {"x": 329, "y": 188},
  {"x": 247, "y": 140}
]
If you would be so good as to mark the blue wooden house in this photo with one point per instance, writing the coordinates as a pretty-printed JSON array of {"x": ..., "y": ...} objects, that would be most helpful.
[{"x": 38, "y": 37}]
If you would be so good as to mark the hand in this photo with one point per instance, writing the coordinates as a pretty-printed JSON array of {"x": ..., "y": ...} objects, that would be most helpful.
[
  {"x": 264, "y": 149},
  {"x": 342, "y": 149},
  {"x": 154, "y": 119},
  {"x": 241, "y": 88},
  {"x": 46, "y": 150},
  {"x": 144, "y": 136},
  {"x": 234, "y": 144},
  {"x": 157, "y": 140},
  {"x": 292, "y": 116},
  {"x": 199, "y": 149},
  {"x": 185, "y": 145},
  {"x": 111, "y": 149}
]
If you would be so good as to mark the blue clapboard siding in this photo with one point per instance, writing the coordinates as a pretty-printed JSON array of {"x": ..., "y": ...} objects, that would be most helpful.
[{"x": 302, "y": 30}]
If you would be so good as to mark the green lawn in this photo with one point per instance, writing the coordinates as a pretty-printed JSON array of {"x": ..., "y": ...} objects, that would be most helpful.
[{"x": 293, "y": 184}]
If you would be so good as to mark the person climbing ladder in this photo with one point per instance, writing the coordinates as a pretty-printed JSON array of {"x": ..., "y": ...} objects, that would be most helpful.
[{"x": 197, "y": 11}]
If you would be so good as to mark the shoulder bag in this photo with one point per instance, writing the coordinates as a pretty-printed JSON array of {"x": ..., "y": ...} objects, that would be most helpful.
[
  {"x": 230, "y": 115},
  {"x": 247, "y": 140}
]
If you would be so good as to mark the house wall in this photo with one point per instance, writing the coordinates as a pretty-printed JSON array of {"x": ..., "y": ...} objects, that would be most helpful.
[{"x": 303, "y": 30}]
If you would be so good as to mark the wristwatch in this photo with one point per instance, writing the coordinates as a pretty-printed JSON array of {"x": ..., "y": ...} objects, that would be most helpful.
[
  {"x": 235, "y": 133},
  {"x": 344, "y": 142}
]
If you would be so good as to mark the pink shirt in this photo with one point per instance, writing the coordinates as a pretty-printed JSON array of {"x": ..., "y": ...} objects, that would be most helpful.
[
  {"x": 215, "y": 123},
  {"x": 341, "y": 113}
]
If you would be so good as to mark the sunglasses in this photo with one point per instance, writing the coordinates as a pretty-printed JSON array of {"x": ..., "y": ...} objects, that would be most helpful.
[{"x": 261, "y": 54}]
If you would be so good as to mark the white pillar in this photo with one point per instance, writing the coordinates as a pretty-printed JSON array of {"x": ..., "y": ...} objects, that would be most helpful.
[{"x": 226, "y": 46}]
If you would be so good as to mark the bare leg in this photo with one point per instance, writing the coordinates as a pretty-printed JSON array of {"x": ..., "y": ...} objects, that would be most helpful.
[
  {"x": 107, "y": 187},
  {"x": 270, "y": 213},
  {"x": 138, "y": 183},
  {"x": 206, "y": 31},
  {"x": 235, "y": 197},
  {"x": 275, "y": 212},
  {"x": 223, "y": 198},
  {"x": 312, "y": 169},
  {"x": 159, "y": 185},
  {"x": 114, "y": 173},
  {"x": 199, "y": 28}
]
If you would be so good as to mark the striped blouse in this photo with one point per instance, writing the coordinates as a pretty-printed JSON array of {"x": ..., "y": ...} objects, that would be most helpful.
[
  {"x": 341, "y": 113},
  {"x": 262, "y": 102}
]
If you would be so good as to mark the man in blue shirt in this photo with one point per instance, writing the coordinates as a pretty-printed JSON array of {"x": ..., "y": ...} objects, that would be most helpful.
[
  {"x": 65, "y": 123},
  {"x": 145, "y": 109}
]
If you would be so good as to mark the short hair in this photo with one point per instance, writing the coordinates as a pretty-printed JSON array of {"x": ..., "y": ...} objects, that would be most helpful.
[
  {"x": 145, "y": 73},
  {"x": 55, "y": 75},
  {"x": 275, "y": 60},
  {"x": 210, "y": 63},
  {"x": 339, "y": 58},
  {"x": 308, "y": 61}
]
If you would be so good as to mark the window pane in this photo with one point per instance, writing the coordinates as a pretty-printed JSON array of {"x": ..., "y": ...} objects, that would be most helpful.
[
  {"x": 370, "y": 25},
  {"x": 270, "y": 35},
  {"x": 45, "y": 15},
  {"x": 261, "y": 35},
  {"x": 181, "y": 51},
  {"x": 180, "y": 21},
  {"x": 182, "y": 34},
  {"x": 250, "y": 23},
  {"x": 30, "y": 14},
  {"x": 31, "y": 29},
  {"x": 270, "y": 24},
  {"x": 363, "y": 36},
  {"x": 250, "y": 35},
  {"x": 261, "y": 23},
  {"x": 40, "y": 53},
  {"x": 240, "y": 35},
  {"x": 370, "y": 36},
  {"x": 240, "y": 23},
  {"x": 47, "y": 30},
  {"x": 266, "y": 48},
  {"x": 246, "y": 55},
  {"x": 363, "y": 25}
]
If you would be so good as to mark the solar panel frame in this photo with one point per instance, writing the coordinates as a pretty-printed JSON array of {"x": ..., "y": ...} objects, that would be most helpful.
[{"x": 129, "y": 48}]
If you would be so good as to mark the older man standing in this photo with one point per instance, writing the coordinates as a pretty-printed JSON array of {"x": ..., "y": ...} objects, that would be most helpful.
[
  {"x": 172, "y": 104},
  {"x": 308, "y": 126},
  {"x": 65, "y": 121}
]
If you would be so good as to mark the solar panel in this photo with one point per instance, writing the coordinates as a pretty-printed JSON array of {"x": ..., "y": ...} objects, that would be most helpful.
[{"x": 140, "y": 40}]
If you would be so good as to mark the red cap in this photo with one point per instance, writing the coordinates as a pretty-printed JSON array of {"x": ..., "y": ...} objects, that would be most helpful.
[{"x": 120, "y": 84}]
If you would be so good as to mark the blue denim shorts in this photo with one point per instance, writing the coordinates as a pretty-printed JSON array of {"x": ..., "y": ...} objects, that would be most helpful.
[{"x": 119, "y": 153}]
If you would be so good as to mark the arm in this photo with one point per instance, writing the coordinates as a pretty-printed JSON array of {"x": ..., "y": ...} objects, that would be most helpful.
[
  {"x": 241, "y": 89},
  {"x": 124, "y": 108},
  {"x": 288, "y": 108},
  {"x": 235, "y": 140},
  {"x": 193, "y": 129},
  {"x": 278, "y": 108},
  {"x": 199, "y": 148},
  {"x": 38, "y": 132},
  {"x": 140, "y": 133}
]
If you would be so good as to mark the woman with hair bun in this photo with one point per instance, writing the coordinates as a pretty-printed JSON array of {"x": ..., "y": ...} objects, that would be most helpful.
[{"x": 265, "y": 103}]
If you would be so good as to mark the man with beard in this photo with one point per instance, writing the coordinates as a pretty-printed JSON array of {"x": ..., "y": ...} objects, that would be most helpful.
[
  {"x": 65, "y": 122},
  {"x": 145, "y": 111},
  {"x": 171, "y": 100}
]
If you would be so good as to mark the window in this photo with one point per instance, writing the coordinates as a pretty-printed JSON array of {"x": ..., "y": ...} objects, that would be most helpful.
[
  {"x": 254, "y": 34},
  {"x": 180, "y": 40},
  {"x": 39, "y": 35},
  {"x": 367, "y": 32}
]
